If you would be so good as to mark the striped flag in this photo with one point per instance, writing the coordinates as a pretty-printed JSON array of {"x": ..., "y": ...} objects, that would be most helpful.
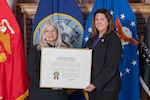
[{"x": 145, "y": 60}]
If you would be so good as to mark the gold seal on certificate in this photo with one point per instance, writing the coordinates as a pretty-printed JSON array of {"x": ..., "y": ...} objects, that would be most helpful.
[
  {"x": 56, "y": 75},
  {"x": 65, "y": 68}
]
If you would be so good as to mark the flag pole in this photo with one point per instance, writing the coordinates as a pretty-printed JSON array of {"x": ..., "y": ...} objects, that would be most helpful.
[{"x": 144, "y": 94}]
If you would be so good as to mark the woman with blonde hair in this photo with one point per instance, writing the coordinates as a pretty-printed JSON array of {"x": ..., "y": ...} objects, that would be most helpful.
[{"x": 49, "y": 37}]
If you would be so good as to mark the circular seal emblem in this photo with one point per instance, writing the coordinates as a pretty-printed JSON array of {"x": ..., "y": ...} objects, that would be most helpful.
[
  {"x": 56, "y": 75},
  {"x": 71, "y": 29}
]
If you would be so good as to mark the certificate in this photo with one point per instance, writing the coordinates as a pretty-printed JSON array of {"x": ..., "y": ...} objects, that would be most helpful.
[{"x": 65, "y": 68}]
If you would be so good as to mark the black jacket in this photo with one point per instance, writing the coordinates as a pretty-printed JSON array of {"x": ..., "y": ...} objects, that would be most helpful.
[
  {"x": 35, "y": 92},
  {"x": 106, "y": 56}
]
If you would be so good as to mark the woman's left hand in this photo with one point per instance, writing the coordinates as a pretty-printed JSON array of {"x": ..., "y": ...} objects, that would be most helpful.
[
  {"x": 90, "y": 88},
  {"x": 55, "y": 88}
]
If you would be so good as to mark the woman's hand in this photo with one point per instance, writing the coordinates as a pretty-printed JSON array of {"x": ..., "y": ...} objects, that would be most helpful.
[
  {"x": 56, "y": 88},
  {"x": 90, "y": 88},
  {"x": 86, "y": 48}
]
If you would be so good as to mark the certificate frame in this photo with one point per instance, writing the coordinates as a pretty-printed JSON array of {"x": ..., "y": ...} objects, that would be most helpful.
[{"x": 65, "y": 68}]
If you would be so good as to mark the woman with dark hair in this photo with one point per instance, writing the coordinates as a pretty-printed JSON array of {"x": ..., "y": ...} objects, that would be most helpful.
[{"x": 106, "y": 55}]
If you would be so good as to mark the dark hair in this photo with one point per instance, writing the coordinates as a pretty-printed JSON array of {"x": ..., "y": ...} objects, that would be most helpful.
[{"x": 111, "y": 26}]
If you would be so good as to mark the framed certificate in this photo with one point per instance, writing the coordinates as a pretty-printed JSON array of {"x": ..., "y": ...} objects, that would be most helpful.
[{"x": 65, "y": 68}]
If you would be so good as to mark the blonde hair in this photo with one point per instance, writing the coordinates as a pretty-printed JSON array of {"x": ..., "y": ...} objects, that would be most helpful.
[{"x": 42, "y": 42}]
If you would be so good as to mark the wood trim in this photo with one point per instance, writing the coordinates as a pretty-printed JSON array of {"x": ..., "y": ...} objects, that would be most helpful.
[
  {"x": 138, "y": 8},
  {"x": 27, "y": 8}
]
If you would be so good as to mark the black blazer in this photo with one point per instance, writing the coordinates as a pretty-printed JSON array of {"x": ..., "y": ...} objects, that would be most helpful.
[
  {"x": 106, "y": 57},
  {"x": 35, "y": 92}
]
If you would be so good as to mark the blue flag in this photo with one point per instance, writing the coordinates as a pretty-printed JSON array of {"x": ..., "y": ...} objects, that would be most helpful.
[
  {"x": 127, "y": 28},
  {"x": 66, "y": 14}
]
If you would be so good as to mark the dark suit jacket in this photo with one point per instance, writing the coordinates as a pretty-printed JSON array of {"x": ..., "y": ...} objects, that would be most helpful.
[
  {"x": 35, "y": 92},
  {"x": 105, "y": 62}
]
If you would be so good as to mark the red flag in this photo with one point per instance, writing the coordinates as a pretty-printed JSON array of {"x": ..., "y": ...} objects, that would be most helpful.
[{"x": 13, "y": 74}]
